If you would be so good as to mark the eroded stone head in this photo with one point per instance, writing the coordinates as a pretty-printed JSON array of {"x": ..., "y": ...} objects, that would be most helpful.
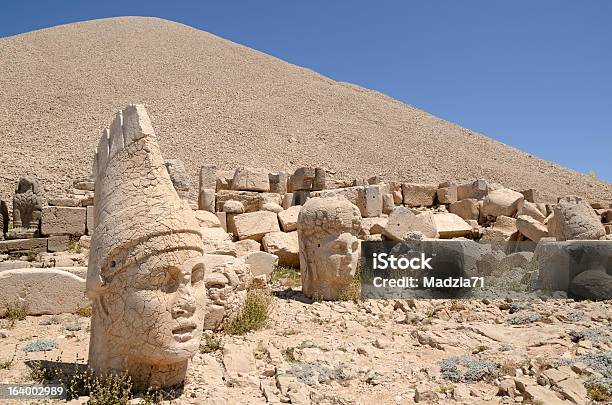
[
  {"x": 145, "y": 274},
  {"x": 329, "y": 248}
]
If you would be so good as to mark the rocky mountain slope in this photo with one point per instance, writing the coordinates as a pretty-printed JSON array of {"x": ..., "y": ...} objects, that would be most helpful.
[{"x": 216, "y": 102}]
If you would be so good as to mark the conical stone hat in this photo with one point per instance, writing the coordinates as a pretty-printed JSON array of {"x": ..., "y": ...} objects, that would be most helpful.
[{"x": 137, "y": 211}]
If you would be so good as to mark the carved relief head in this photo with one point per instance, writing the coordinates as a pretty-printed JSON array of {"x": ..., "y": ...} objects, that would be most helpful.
[{"x": 329, "y": 248}]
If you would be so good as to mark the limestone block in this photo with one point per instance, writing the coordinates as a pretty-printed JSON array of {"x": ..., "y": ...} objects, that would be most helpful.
[
  {"x": 251, "y": 179},
  {"x": 15, "y": 264},
  {"x": 214, "y": 234},
  {"x": 320, "y": 179},
  {"x": 43, "y": 291},
  {"x": 395, "y": 188},
  {"x": 206, "y": 199},
  {"x": 388, "y": 204},
  {"x": 233, "y": 207},
  {"x": 223, "y": 180},
  {"x": 416, "y": 195},
  {"x": 249, "y": 199},
  {"x": 502, "y": 229},
  {"x": 477, "y": 189},
  {"x": 300, "y": 197},
  {"x": 272, "y": 207},
  {"x": 58, "y": 243},
  {"x": 575, "y": 220},
  {"x": 531, "y": 228},
  {"x": 606, "y": 216},
  {"x": 90, "y": 222},
  {"x": 222, "y": 216},
  {"x": 451, "y": 226},
  {"x": 288, "y": 218},
  {"x": 531, "y": 195},
  {"x": 370, "y": 201},
  {"x": 591, "y": 284},
  {"x": 274, "y": 198},
  {"x": 207, "y": 219},
  {"x": 262, "y": 263},
  {"x": 63, "y": 221},
  {"x": 287, "y": 201},
  {"x": 208, "y": 177},
  {"x": 24, "y": 246},
  {"x": 278, "y": 182},
  {"x": 374, "y": 226},
  {"x": 84, "y": 184},
  {"x": 285, "y": 245},
  {"x": 532, "y": 210},
  {"x": 502, "y": 202},
  {"x": 254, "y": 225},
  {"x": 243, "y": 247},
  {"x": 403, "y": 221},
  {"x": 303, "y": 179},
  {"x": 468, "y": 209},
  {"x": 64, "y": 202},
  {"x": 447, "y": 193}
]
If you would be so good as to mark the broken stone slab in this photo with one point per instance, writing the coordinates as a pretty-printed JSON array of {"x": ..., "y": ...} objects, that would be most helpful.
[
  {"x": 84, "y": 184},
  {"x": 222, "y": 216},
  {"x": 451, "y": 226},
  {"x": 467, "y": 209},
  {"x": 223, "y": 180},
  {"x": 272, "y": 207},
  {"x": 64, "y": 202},
  {"x": 208, "y": 177},
  {"x": 531, "y": 195},
  {"x": 574, "y": 219},
  {"x": 502, "y": 202},
  {"x": 238, "y": 359},
  {"x": 287, "y": 201},
  {"x": 395, "y": 188},
  {"x": 278, "y": 182},
  {"x": 477, "y": 189},
  {"x": 531, "y": 228},
  {"x": 42, "y": 291},
  {"x": 374, "y": 226},
  {"x": 15, "y": 264},
  {"x": 262, "y": 263},
  {"x": 531, "y": 210},
  {"x": 214, "y": 234},
  {"x": 388, "y": 204},
  {"x": 249, "y": 199},
  {"x": 288, "y": 218},
  {"x": 417, "y": 195},
  {"x": 593, "y": 285},
  {"x": 207, "y": 219},
  {"x": 447, "y": 192},
  {"x": 302, "y": 179},
  {"x": 285, "y": 246},
  {"x": 63, "y": 221},
  {"x": 254, "y": 225},
  {"x": 206, "y": 199},
  {"x": 24, "y": 246},
  {"x": 367, "y": 198},
  {"x": 251, "y": 179},
  {"x": 502, "y": 229},
  {"x": 403, "y": 221},
  {"x": 58, "y": 243}
]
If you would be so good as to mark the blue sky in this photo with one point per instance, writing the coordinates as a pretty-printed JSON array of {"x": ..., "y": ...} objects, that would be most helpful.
[{"x": 536, "y": 75}]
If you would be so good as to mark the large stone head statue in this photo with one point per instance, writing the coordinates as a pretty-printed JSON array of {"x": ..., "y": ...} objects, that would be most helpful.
[
  {"x": 329, "y": 248},
  {"x": 145, "y": 275}
]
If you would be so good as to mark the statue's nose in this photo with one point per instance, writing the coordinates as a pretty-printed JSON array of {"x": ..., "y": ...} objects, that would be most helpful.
[{"x": 185, "y": 303}]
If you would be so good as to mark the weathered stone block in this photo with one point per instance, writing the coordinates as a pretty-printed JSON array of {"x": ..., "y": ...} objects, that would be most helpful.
[
  {"x": 91, "y": 222},
  {"x": 208, "y": 177},
  {"x": 64, "y": 202},
  {"x": 303, "y": 179},
  {"x": 575, "y": 219},
  {"x": 467, "y": 209},
  {"x": 249, "y": 199},
  {"x": 477, "y": 189},
  {"x": 451, "y": 226},
  {"x": 63, "y": 221},
  {"x": 278, "y": 182},
  {"x": 285, "y": 246},
  {"x": 531, "y": 195},
  {"x": 416, "y": 195},
  {"x": 42, "y": 291},
  {"x": 403, "y": 221},
  {"x": 370, "y": 201},
  {"x": 447, "y": 193},
  {"x": 251, "y": 179},
  {"x": 36, "y": 245},
  {"x": 288, "y": 218},
  {"x": 502, "y": 202},
  {"x": 179, "y": 177},
  {"x": 262, "y": 263},
  {"x": 58, "y": 243},
  {"x": 206, "y": 199},
  {"x": 287, "y": 200},
  {"x": 254, "y": 225},
  {"x": 222, "y": 216},
  {"x": 207, "y": 219},
  {"x": 223, "y": 180},
  {"x": 531, "y": 228}
]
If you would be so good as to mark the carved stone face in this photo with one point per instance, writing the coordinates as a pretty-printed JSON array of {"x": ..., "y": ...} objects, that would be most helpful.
[
  {"x": 339, "y": 256},
  {"x": 154, "y": 307}
]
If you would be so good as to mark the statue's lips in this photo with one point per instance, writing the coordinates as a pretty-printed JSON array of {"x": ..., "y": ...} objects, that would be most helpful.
[{"x": 184, "y": 332}]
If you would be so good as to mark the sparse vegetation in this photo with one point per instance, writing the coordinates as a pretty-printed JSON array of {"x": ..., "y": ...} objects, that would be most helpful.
[
  {"x": 72, "y": 327},
  {"x": 599, "y": 389},
  {"x": 211, "y": 344},
  {"x": 6, "y": 364},
  {"x": 16, "y": 311},
  {"x": 54, "y": 320},
  {"x": 289, "y": 355},
  {"x": 83, "y": 311},
  {"x": 468, "y": 369},
  {"x": 74, "y": 246},
  {"x": 254, "y": 314},
  {"x": 524, "y": 318},
  {"x": 353, "y": 291},
  {"x": 286, "y": 276},
  {"x": 40, "y": 345}
]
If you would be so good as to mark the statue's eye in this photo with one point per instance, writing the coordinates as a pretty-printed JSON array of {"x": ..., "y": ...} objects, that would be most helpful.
[
  {"x": 197, "y": 274},
  {"x": 171, "y": 280}
]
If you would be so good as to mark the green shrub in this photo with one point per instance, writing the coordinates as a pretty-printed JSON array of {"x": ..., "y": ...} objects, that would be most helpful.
[
  {"x": 16, "y": 311},
  {"x": 211, "y": 344},
  {"x": 254, "y": 314},
  {"x": 286, "y": 276}
]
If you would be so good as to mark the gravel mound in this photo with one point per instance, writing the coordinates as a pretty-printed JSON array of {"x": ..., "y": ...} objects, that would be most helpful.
[{"x": 216, "y": 102}]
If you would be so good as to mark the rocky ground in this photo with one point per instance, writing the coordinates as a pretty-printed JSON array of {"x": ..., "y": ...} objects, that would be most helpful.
[{"x": 499, "y": 351}]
